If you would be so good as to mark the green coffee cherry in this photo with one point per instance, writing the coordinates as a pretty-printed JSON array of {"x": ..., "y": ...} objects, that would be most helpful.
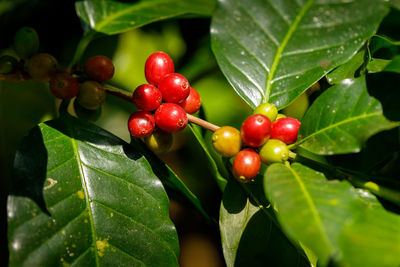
[
  {"x": 42, "y": 66},
  {"x": 26, "y": 42},
  {"x": 7, "y": 64},
  {"x": 280, "y": 116},
  {"x": 85, "y": 114},
  {"x": 274, "y": 151},
  {"x": 268, "y": 110},
  {"x": 159, "y": 141},
  {"x": 91, "y": 95},
  {"x": 298, "y": 108}
]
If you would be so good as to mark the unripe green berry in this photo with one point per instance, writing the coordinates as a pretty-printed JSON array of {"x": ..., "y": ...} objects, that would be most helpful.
[
  {"x": 159, "y": 141},
  {"x": 274, "y": 151},
  {"x": 280, "y": 116},
  {"x": 85, "y": 114},
  {"x": 7, "y": 64},
  {"x": 226, "y": 141},
  {"x": 298, "y": 108},
  {"x": 26, "y": 42},
  {"x": 42, "y": 66},
  {"x": 267, "y": 109},
  {"x": 91, "y": 95}
]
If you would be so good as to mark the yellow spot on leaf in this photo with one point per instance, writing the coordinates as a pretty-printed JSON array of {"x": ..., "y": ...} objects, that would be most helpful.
[
  {"x": 63, "y": 232},
  {"x": 101, "y": 245},
  {"x": 59, "y": 189},
  {"x": 85, "y": 221},
  {"x": 81, "y": 195},
  {"x": 73, "y": 245},
  {"x": 111, "y": 214}
]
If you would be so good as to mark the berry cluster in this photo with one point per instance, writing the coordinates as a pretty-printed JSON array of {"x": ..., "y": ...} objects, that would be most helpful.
[
  {"x": 64, "y": 84},
  {"x": 168, "y": 96},
  {"x": 265, "y": 135}
]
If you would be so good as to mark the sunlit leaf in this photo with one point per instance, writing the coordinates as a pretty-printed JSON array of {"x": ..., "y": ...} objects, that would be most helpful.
[
  {"x": 112, "y": 17},
  {"x": 83, "y": 197},
  {"x": 274, "y": 50},
  {"x": 342, "y": 119}
]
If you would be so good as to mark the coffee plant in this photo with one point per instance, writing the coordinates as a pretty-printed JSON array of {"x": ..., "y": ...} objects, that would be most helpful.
[{"x": 282, "y": 113}]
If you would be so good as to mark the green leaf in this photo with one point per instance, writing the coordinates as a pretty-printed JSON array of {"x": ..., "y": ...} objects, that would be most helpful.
[
  {"x": 84, "y": 197},
  {"x": 379, "y": 65},
  {"x": 383, "y": 47},
  {"x": 342, "y": 119},
  {"x": 373, "y": 238},
  {"x": 274, "y": 50},
  {"x": 112, "y": 17},
  {"x": 310, "y": 209},
  {"x": 347, "y": 70},
  {"x": 250, "y": 236},
  {"x": 332, "y": 218}
]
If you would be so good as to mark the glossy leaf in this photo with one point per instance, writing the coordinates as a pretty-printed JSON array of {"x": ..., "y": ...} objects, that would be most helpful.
[
  {"x": 112, "y": 17},
  {"x": 383, "y": 47},
  {"x": 84, "y": 197},
  {"x": 373, "y": 237},
  {"x": 310, "y": 209},
  {"x": 342, "y": 119},
  {"x": 249, "y": 235},
  {"x": 331, "y": 217},
  {"x": 274, "y": 50},
  {"x": 347, "y": 70}
]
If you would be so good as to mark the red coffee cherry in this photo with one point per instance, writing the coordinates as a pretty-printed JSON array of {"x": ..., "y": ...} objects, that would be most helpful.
[
  {"x": 192, "y": 103},
  {"x": 174, "y": 88},
  {"x": 157, "y": 66},
  {"x": 170, "y": 117},
  {"x": 285, "y": 129},
  {"x": 147, "y": 97},
  {"x": 141, "y": 124},
  {"x": 255, "y": 130},
  {"x": 63, "y": 85},
  {"x": 246, "y": 165},
  {"x": 99, "y": 68}
]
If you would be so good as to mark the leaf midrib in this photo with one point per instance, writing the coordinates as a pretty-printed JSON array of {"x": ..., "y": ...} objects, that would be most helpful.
[
  {"x": 285, "y": 41},
  {"x": 84, "y": 185},
  {"x": 362, "y": 116},
  {"x": 312, "y": 206}
]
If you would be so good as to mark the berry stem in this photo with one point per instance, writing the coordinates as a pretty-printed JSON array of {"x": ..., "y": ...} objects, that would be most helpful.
[
  {"x": 205, "y": 124},
  {"x": 112, "y": 90}
]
